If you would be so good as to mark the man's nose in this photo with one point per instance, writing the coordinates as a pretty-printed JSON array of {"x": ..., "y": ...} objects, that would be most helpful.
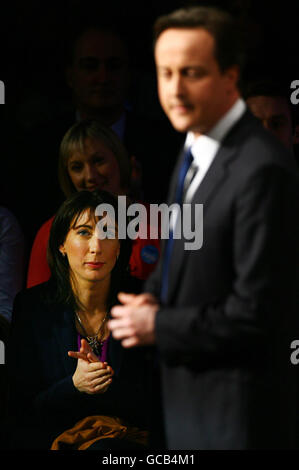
[{"x": 177, "y": 87}]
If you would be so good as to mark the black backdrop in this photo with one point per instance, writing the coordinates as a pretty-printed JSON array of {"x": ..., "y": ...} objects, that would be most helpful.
[{"x": 33, "y": 35}]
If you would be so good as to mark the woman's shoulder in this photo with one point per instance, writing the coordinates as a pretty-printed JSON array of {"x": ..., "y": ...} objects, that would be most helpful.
[
  {"x": 39, "y": 294},
  {"x": 36, "y": 306}
]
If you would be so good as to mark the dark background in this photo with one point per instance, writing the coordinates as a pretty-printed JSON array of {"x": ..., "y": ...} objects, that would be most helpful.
[
  {"x": 33, "y": 40},
  {"x": 34, "y": 33},
  {"x": 33, "y": 36}
]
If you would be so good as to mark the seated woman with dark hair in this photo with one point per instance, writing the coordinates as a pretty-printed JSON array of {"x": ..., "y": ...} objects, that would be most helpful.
[
  {"x": 92, "y": 157},
  {"x": 64, "y": 364}
]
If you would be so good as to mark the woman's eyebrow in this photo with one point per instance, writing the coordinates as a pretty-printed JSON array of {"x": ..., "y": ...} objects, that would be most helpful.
[
  {"x": 81, "y": 225},
  {"x": 97, "y": 154}
]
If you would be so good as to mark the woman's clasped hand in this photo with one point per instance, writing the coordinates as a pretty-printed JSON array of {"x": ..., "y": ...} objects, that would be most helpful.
[{"x": 91, "y": 375}]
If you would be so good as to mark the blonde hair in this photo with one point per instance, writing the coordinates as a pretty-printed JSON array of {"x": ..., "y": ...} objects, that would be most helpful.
[{"x": 74, "y": 140}]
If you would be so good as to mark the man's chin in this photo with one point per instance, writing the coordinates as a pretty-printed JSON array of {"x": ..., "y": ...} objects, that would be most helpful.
[
  {"x": 187, "y": 125},
  {"x": 180, "y": 126}
]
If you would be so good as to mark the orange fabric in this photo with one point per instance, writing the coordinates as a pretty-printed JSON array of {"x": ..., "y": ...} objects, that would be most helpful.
[{"x": 91, "y": 429}]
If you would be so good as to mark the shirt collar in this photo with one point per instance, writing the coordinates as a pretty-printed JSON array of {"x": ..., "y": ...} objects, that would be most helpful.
[{"x": 222, "y": 127}]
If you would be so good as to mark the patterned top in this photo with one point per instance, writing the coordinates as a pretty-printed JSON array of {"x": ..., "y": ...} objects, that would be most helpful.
[{"x": 104, "y": 354}]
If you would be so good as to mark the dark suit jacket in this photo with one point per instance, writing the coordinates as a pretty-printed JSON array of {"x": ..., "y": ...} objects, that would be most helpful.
[
  {"x": 43, "y": 400},
  {"x": 224, "y": 333}
]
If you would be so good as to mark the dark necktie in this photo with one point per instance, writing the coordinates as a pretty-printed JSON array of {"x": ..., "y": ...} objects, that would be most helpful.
[{"x": 187, "y": 161}]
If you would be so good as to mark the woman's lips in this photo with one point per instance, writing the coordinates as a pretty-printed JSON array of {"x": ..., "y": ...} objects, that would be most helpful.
[{"x": 94, "y": 265}]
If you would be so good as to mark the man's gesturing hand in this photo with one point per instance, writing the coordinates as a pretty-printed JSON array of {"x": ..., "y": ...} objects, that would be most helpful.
[{"x": 134, "y": 322}]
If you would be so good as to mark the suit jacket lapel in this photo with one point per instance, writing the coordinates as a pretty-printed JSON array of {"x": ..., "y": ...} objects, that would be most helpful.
[
  {"x": 205, "y": 192},
  {"x": 207, "y": 189},
  {"x": 65, "y": 333}
]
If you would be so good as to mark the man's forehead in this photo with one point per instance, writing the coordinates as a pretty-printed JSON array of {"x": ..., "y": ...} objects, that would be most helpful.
[
  {"x": 176, "y": 43},
  {"x": 177, "y": 36}
]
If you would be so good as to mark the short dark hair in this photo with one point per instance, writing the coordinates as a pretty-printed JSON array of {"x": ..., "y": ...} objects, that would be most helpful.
[
  {"x": 220, "y": 24},
  {"x": 68, "y": 212},
  {"x": 264, "y": 86}
]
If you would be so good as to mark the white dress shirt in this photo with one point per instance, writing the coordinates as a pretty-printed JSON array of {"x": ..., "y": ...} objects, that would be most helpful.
[{"x": 205, "y": 147}]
